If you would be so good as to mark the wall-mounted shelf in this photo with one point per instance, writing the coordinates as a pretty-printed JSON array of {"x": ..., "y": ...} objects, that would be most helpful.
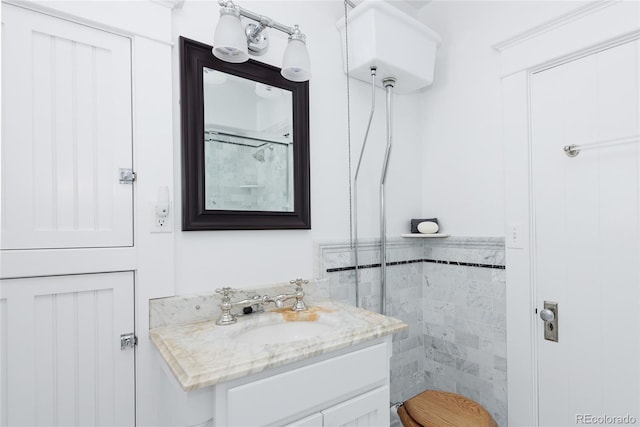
[{"x": 425, "y": 236}]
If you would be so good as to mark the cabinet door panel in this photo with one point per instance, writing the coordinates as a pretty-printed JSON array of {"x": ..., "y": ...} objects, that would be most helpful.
[
  {"x": 62, "y": 363},
  {"x": 66, "y": 131},
  {"x": 370, "y": 409},
  {"x": 314, "y": 420},
  {"x": 305, "y": 388}
]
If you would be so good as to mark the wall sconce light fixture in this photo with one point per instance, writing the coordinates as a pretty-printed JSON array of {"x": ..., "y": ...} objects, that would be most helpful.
[{"x": 233, "y": 43}]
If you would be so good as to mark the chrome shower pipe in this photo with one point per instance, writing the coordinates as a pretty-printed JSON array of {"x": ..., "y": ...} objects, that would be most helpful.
[
  {"x": 388, "y": 84},
  {"x": 355, "y": 184}
]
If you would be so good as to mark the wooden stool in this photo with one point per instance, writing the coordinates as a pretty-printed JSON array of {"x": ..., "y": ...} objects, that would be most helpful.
[{"x": 443, "y": 409}]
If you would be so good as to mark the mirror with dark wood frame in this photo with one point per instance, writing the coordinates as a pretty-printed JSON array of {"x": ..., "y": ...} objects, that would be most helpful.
[{"x": 245, "y": 144}]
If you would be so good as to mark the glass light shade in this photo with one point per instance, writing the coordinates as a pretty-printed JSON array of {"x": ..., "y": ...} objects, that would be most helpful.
[
  {"x": 213, "y": 77},
  {"x": 295, "y": 64},
  {"x": 229, "y": 41},
  {"x": 267, "y": 92}
]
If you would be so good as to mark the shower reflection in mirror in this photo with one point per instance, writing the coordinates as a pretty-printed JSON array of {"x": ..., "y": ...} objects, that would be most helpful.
[{"x": 248, "y": 153}]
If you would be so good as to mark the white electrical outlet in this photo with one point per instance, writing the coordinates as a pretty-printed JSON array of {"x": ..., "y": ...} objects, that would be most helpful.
[
  {"x": 514, "y": 238},
  {"x": 161, "y": 219}
]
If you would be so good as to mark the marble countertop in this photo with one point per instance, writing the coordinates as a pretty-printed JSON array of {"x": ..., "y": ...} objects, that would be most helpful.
[{"x": 202, "y": 354}]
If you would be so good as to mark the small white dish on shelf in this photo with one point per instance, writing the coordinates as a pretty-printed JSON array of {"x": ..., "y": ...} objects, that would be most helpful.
[{"x": 427, "y": 236}]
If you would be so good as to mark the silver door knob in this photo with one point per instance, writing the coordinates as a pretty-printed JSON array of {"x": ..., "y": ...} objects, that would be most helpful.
[{"x": 547, "y": 315}]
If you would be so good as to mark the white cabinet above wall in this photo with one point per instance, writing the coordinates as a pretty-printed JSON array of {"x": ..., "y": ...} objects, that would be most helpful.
[{"x": 67, "y": 132}]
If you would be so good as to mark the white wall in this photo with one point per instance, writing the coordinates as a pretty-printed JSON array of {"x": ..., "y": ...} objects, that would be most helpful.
[
  {"x": 237, "y": 111},
  {"x": 463, "y": 178},
  {"x": 206, "y": 260}
]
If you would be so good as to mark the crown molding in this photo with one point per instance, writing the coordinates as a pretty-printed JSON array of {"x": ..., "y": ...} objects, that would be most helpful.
[
  {"x": 554, "y": 23},
  {"x": 171, "y": 4}
]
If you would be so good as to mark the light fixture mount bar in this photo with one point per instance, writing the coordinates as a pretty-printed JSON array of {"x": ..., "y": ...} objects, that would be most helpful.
[
  {"x": 234, "y": 41},
  {"x": 264, "y": 21}
]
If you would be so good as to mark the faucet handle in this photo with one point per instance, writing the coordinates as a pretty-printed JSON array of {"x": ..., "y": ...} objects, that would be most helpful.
[
  {"x": 226, "y": 318},
  {"x": 299, "y": 304},
  {"x": 226, "y": 292},
  {"x": 298, "y": 283}
]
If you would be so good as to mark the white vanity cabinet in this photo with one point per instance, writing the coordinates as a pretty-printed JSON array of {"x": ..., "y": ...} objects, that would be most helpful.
[
  {"x": 368, "y": 409},
  {"x": 349, "y": 386},
  {"x": 224, "y": 376}
]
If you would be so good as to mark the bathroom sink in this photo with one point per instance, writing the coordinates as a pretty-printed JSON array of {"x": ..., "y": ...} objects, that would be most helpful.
[{"x": 286, "y": 332}]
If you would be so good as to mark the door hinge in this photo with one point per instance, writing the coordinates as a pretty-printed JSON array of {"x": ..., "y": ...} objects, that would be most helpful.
[
  {"x": 128, "y": 341},
  {"x": 127, "y": 176}
]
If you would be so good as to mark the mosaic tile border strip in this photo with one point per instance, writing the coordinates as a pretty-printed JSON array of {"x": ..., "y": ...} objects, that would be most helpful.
[{"x": 413, "y": 261}]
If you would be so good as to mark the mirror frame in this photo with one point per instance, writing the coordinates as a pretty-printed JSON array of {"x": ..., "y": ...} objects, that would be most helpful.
[{"x": 194, "y": 56}]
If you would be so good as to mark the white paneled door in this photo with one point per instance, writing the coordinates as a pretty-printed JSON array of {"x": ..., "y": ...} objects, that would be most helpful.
[
  {"x": 62, "y": 364},
  {"x": 66, "y": 132},
  {"x": 587, "y": 237}
]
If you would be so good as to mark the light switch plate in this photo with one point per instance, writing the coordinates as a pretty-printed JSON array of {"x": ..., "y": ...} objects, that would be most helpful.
[{"x": 514, "y": 238}]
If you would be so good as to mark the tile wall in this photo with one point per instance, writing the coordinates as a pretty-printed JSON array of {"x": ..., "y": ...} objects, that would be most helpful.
[
  {"x": 247, "y": 177},
  {"x": 451, "y": 293}
]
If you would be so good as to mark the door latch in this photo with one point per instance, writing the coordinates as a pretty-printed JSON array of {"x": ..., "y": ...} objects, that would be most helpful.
[
  {"x": 127, "y": 176},
  {"x": 128, "y": 341},
  {"x": 549, "y": 314}
]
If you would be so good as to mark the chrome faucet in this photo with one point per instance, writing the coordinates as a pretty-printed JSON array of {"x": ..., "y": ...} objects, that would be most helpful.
[
  {"x": 227, "y": 318},
  {"x": 298, "y": 294}
]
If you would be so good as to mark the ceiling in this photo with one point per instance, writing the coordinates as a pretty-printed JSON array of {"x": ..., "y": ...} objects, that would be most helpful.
[
  {"x": 415, "y": 4},
  {"x": 407, "y": 6}
]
